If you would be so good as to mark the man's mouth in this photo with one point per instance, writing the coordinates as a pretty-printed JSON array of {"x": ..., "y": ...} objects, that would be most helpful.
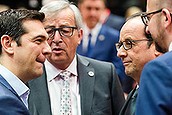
[
  {"x": 57, "y": 50},
  {"x": 125, "y": 63}
]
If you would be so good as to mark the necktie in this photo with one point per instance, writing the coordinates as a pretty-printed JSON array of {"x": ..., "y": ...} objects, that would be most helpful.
[
  {"x": 66, "y": 108},
  {"x": 89, "y": 47}
]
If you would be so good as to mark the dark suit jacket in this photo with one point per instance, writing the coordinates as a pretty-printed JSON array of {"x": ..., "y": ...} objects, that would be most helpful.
[
  {"x": 105, "y": 49},
  {"x": 155, "y": 89},
  {"x": 10, "y": 102},
  {"x": 115, "y": 21},
  {"x": 126, "y": 109},
  {"x": 100, "y": 94}
]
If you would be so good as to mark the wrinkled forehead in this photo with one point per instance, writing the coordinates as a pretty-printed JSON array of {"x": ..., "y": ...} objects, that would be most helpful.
[
  {"x": 133, "y": 28},
  {"x": 63, "y": 17}
]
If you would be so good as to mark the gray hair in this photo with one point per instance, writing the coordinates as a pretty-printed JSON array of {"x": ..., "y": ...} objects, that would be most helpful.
[{"x": 54, "y": 7}]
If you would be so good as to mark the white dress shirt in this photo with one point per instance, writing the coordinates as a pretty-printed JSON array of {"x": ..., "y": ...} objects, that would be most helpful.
[
  {"x": 55, "y": 86},
  {"x": 94, "y": 32},
  {"x": 170, "y": 47},
  {"x": 19, "y": 87}
]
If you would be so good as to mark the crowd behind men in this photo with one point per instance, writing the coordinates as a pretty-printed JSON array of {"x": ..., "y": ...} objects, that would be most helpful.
[
  {"x": 157, "y": 21},
  {"x": 37, "y": 4}
]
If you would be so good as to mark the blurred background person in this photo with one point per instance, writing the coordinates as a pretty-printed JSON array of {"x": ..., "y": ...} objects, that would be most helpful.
[
  {"x": 98, "y": 39},
  {"x": 110, "y": 19},
  {"x": 117, "y": 7}
]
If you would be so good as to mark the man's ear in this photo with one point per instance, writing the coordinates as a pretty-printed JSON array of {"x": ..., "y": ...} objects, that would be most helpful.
[
  {"x": 7, "y": 44},
  {"x": 167, "y": 20}
]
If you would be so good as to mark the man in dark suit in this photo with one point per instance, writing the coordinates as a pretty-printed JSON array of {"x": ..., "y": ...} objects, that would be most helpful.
[
  {"x": 94, "y": 87},
  {"x": 155, "y": 94},
  {"x": 131, "y": 48},
  {"x": 22, "y": 53}
]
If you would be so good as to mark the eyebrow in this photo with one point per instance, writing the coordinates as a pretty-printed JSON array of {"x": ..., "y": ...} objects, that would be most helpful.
[
  {"x": 49, "y": 27},
  {"x": 40, "y": 36}
]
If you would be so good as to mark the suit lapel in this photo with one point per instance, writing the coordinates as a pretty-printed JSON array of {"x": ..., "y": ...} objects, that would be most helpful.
[
  {"x": 7, "y": 85},
  {"x": 40, "y": 89},
  {"x": 124, "y": 108},
  {"x": 86, "y": 85}
]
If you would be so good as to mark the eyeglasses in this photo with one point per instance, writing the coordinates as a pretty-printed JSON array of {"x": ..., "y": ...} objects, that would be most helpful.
[
  {"x": 147, "y": 16},
  {"x": 63, "y": 31},
  {"x": 127, "y": 44}
]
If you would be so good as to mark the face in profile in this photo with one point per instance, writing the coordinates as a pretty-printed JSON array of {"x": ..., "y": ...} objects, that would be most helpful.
[
  {"x": 155, "y": 25},
  {"x": 137, "y": 52},
  {"x": 30, "y": 55}
]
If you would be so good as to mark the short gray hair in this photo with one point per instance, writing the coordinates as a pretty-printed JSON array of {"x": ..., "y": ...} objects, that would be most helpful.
[{"x": 54, "y": 7}]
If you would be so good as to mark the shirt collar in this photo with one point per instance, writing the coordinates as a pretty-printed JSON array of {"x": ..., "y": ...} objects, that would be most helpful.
[
  {"x": 52, "y": 72},
  {"x": 93, "y": 31},
  {"x": 19, "y": 87},
  {"x": 170, "y": 47}
]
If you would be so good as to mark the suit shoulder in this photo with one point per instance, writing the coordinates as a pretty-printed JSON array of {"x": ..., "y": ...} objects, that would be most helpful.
[
  {"x": 110, "y": 30},
  {"x": 95, "y": 62},
  {"x": 163, "y": 59},
  {"x": 5, "y": 91},
  {"x": 7, "y": 95}
]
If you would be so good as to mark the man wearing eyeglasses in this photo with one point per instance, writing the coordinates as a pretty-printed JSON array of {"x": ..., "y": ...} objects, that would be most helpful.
[
  {"x": 92, "y": 87},
  {"x": 155, "y": 92},
  {"x": 135, "y": 48}
]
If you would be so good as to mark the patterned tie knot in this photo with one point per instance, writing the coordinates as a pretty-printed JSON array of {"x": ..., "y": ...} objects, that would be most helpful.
[{"x": 65, "y": 75}]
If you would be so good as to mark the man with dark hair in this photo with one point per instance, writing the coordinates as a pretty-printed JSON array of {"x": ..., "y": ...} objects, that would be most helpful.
[
  {"x": 23, "y": 48},
  {"x": 135, "y": 48}
]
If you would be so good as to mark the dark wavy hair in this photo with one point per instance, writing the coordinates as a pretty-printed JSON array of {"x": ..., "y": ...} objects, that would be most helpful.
[{"x": 11, "y": 22}]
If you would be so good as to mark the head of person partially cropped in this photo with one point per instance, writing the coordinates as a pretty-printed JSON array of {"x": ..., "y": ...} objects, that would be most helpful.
[
  {"x": 23, "y": 42},
  {"x": 158, "y": 21},
  {"x": 135, "y": 46},
  {"x": 63, "y": 23}
]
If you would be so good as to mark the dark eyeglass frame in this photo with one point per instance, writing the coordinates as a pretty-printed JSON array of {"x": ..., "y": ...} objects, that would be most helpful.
[
  {"x": 130, "y": 44},
  {"x": 146, "y": 16},
  {"x": 61, "y": 31}
]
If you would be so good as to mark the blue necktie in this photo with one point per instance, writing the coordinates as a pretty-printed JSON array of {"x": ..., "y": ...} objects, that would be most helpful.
[{"x": 89, "y": 47}]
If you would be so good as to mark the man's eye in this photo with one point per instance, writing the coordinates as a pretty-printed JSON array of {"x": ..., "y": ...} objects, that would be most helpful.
[
  {"x": 119, "y": 44},
  {"x": 38, "y": 41},
  {"x": 49, "y": 31},
  {"x": 65, "y": 30},
  {"x": 127, "y": 43}
]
